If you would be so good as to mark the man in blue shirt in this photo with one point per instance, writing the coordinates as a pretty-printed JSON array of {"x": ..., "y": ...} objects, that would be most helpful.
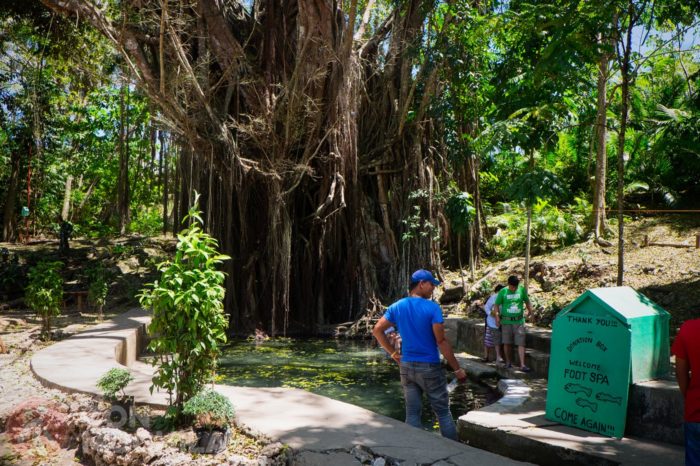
[{"x": 422, "y": 334}]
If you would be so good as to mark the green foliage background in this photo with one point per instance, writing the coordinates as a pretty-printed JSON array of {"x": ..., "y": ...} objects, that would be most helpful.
[{"x": 517, "y": 95}]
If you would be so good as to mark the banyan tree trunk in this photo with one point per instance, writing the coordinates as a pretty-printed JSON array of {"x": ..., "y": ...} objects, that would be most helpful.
[{"x": 297, "y": 136}]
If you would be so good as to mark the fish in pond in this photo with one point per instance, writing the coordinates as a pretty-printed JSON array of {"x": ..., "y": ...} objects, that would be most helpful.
[{"x": 576, "y": 389}]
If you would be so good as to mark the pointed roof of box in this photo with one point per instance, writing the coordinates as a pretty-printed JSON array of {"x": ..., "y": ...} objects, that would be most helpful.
[{"x": 622, "y": 301}]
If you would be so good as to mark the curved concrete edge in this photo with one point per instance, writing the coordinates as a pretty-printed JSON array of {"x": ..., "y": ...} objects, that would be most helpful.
[
  {"x": 301, "y": 419},
  {"x": 75, "y": 364},
  {"x": 515, "y": 393},
  {"x": 474, "y": 368}
]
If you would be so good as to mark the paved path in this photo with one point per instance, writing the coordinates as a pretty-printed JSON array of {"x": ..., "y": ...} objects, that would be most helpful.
[
  {"x": 322, "y": 428},
  {"x": 516, "y": 426}
]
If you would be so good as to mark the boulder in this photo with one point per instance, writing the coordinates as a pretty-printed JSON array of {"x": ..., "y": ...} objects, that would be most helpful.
[
  {"x": 143, "y": 435},
  {"x": 240, "y": 460},
  {"x": 548, "y": 285},
  {"x": 452, "y": 295},
  {"x": 153, "y": 253},
  {"x": 41, "y": 419},
  {"x": 173, "y": 458},
  {"x": 108, "y": 446},
  {"x": 80, "y": 403},
  {"x": 127, "y": 266},
  {"x": 81, "y": 421},
  {"x": 272, "y": 449}
]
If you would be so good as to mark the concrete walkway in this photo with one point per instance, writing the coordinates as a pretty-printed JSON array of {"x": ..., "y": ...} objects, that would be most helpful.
[
  {"x": 324, "y": 430},
  {"x": 515, "y": 426}
]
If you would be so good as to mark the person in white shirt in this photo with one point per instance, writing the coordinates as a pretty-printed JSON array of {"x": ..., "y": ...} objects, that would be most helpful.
[
  {"x": 394, "y": 339},
  {"x": 492, "y": 332}
]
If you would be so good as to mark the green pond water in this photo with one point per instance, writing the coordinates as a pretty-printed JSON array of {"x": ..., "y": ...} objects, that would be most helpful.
[{"x": 351, "y": 371}]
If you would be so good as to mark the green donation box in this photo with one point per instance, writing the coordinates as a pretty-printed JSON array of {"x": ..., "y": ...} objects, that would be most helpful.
[{"x": 603, "y": 341}]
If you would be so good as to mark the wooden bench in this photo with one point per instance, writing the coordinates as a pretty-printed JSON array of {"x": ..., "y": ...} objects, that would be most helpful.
[{"x": 80, "y": 298}]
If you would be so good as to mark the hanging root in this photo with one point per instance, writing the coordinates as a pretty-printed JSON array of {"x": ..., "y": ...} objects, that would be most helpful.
[{"x": 362, "y": 327}]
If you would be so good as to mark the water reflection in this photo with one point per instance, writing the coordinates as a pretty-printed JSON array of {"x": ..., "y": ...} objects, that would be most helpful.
[{"x": 350, "y": 371}]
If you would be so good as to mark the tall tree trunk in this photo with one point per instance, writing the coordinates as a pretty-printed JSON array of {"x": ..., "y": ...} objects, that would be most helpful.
[
  {"x": 38, "y": 146},
  {"x": 471, "y": 251},
  {"x": 528, "y": 237},
  {"x": 79, "y": 211},
  {"x": 176, "y": 189},
  {"x": 468, "y": 177},
  {"x": 528, "y": 231},
  {"x": 472, "y": 187},
  {"x": 163, "y": 168},
  {"x": 625, "y": 75},
  {"x": 65, "y": 211},
  {"x": 598, "y": 214},
  {"x": 29, "y": 193},
  {"x": 459, "y": 260},
  {"x": 123, "y": 197},
  {"x": 151, "y": 164},
  {"x": 9, "y": 224}
]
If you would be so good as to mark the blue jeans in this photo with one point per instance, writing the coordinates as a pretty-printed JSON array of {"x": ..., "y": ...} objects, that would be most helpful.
[
  {"x": 429, "y": 378},
  {"x": 692, "y": 443}
]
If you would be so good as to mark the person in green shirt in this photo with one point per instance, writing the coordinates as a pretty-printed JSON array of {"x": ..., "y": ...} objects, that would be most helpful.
[{"x": 509, "y": 314}]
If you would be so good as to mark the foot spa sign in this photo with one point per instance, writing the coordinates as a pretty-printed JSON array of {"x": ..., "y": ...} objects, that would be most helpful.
[{"x": 593, "y": 352}]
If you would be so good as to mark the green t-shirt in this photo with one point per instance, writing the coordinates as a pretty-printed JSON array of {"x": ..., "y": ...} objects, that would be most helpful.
[{"x": 511, "y": 305}]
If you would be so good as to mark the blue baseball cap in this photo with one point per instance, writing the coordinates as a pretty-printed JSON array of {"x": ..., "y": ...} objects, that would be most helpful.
[{"x": 422, "y": 275}]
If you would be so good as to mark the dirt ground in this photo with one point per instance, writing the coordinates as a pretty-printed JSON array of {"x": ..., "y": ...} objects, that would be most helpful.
[{"x": 670, "y": 276}]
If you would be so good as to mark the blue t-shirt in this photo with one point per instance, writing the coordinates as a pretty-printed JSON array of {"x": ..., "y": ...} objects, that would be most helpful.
[{"x": 415, "y": 318}]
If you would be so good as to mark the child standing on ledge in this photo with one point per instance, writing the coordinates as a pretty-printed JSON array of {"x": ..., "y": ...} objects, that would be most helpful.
[{"x": 492, "y": 333}]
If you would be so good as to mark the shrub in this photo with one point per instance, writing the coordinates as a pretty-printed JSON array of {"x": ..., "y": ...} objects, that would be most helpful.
[
  {"x": 147, "y": 221},
  {"x": 551, "y": 227},
  {"x": 166, "y": 422},
  {"x": 211, "y": 410},
  {"x": 44, "y": 294},
  {"x": 188, "y": 322},
  {"x": 113, "y": 381},
  {"x": 98, "y": 289}
]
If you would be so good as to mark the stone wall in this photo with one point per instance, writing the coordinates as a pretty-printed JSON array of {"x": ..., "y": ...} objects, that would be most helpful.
[{"x": 655, "y": 408}]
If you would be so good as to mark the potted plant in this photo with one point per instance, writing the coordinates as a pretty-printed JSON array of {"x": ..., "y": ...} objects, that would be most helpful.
[
  {"x": 213, "y": 416},
  {"x": 112, "y": 384}
]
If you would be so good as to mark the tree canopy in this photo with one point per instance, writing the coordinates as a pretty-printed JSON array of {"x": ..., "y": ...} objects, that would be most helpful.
[{"x": 327, "y": 139}]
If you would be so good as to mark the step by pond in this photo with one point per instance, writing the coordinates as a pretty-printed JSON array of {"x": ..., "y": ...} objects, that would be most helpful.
[{"x": 356, "y": 372}]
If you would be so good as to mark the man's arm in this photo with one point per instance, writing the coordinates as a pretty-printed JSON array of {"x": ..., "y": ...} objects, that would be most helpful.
[
  {"x": 446, "y": 350},
  {"x": 496, "y": 311},
  {"x": 382, "y": 339},
  {"x": 682, "y": 374}
]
